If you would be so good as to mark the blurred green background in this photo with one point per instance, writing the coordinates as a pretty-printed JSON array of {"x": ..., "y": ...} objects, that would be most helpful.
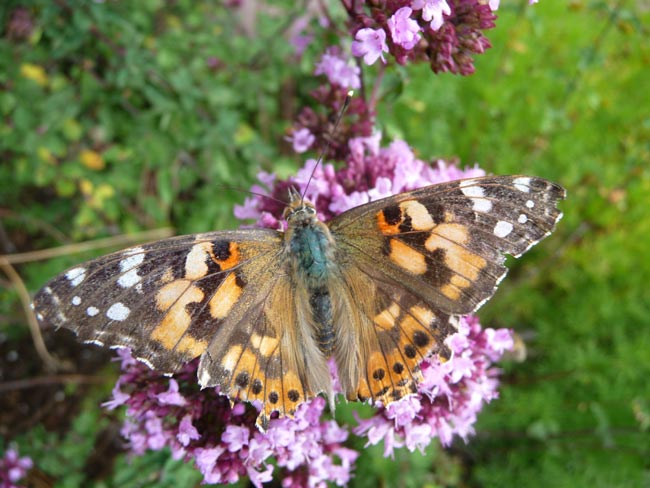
[{"x": 119, "y": 117}]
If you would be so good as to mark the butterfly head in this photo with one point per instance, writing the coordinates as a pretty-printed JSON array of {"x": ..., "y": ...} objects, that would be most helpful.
[{"x": 299, "y": 212}]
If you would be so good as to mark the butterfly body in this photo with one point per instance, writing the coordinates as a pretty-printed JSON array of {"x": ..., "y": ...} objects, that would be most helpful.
[{"x": 376, "y": 289}]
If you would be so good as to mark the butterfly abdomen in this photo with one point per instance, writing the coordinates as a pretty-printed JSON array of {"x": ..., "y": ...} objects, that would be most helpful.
[
  {"x": 321, "y": 308},
  {"x": 311, "y": 250}
]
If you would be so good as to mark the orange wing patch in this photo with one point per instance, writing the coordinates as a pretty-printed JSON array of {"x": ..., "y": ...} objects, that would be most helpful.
[
  {"x": 172, "y": 299},
  {"x": 408, "y": 215},
  {"x": 464, "y": 264},
  {"x": 225, "y": 297},
  {"x": 407, "y": 258}
]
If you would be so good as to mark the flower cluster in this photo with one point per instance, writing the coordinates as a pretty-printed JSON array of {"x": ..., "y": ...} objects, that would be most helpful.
[
  {"x": 221, "y": 438},
  {"x": 13, "y": 468},
  {"x": 370, "y": 172},
  {"x": 444, "y": 33},
  {"x": 313, "y": 128}
]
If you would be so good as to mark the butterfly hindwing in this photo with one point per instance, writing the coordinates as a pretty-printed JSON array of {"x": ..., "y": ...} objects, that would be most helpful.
[
  {"x": 385, "y": 337},
  {"x": 265, "y": 353}
]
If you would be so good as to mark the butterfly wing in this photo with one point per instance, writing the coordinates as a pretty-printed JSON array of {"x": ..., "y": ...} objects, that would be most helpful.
[
  {"x": 447, "y": 242},
  {"x": 269, "y": 356},
  {"x": 165, "y": 300},
  {"x": 381, "y": 340},
  {"x": 425, "y": 256},
  {"x": 224, "y": 296}
]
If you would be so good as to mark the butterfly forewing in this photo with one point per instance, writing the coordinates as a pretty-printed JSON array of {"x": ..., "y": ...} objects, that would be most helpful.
[
  {"x": 447, "y": 243},
  {"x": 164, "y": 300}
]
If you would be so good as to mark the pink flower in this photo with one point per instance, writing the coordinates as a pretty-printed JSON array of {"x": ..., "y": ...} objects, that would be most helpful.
[
  {"x": 338, "y": 70},
  {"x": 171, "y": 396},
  {"x": 301, "y": 139},
  {"x": 119, "y": 398},
  {"x": 404, "y": 30},
  {"x": 13, "y": 468},
  {"x": 235, "y": 437},
  {"x": 371, "y": 44},
  {"x": 186, "y": 431},
  {"x": 432, "y": 11}
]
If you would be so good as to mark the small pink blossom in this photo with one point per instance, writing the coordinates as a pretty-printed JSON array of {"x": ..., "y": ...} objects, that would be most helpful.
[
  {"x": 301, "y": 140},
  {"x": 171, "y": 396},
  {"x": 432, "y": 11},
  {"x": 338, "y": 70},
  {"x": 186, "y": 431},
  {"x": 371, "y": 44},
  {"x": 403, "y": 29},
  {"x": 13, "y": 468},
  {"x": 119, "y": 398}
]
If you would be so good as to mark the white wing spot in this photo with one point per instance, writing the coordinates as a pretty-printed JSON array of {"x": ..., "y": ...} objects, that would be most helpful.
[
  {"x": 204, "y": 377},
  {"x": 128, "y": 266},
  {"x": 482, "y": 205},
  {"x": 75, "y": 300},
  {"x": 118, "y": 311},
  {"x": 476, "y": 193},
  {"x": 76, "y": 275},
  {"x": 92, "y": 311},
  {"x": 472, "y": 191},
  {"x": 39, "y": 316},
  {"x": 134, "y": 258},
  {"x": 502, "y": 229},
  {"x": 195, "y": 262},
  {"x": 522, "y": 184},
  {"x": 128, "y": 279},
  {"x": 530, "y": 204},
  {"x": 522, "y": 219}
]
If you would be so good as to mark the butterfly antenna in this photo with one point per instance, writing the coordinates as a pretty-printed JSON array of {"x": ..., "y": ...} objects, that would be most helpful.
[{"x": 346, "y": 103}]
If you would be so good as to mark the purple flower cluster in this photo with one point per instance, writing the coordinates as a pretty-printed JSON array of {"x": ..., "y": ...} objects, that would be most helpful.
[
  {"x": 13, "y": 468},
  {"x": 313, "y": 126},
  {"x": 221, "y": 438},
  {"x": 444, "y": 33},
  {"x": 369, "y": 173}
]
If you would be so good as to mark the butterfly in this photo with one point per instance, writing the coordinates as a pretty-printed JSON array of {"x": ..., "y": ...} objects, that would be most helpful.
[{"x": 377, "y": 288}]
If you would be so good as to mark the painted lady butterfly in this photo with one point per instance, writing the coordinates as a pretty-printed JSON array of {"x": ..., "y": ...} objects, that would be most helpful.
[{"x": 376, "y": 288}]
